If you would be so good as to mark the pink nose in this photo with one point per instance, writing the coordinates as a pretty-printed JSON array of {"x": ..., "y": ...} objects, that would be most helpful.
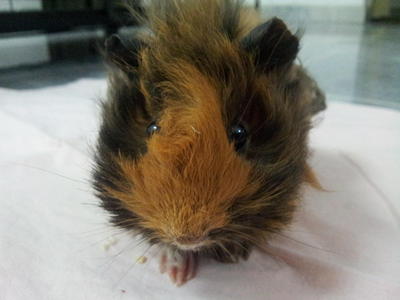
[{"x": 189, "y": 240}]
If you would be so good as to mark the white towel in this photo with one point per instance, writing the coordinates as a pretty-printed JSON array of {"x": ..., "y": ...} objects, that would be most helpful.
[{"x": 56, "y": 244}]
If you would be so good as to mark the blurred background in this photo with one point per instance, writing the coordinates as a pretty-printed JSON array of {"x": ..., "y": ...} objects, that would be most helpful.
[{"x": 352, "y": 47}]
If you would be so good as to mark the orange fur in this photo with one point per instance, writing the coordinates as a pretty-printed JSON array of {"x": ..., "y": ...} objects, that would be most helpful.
[
  {"x": 197, "y": 73},
  {"x": 191, "y": 174},
  {"x": 311, "y": 178}
]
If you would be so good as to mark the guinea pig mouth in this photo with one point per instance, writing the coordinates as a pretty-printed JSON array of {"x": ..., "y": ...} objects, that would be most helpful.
[{"x": 190, "y": 245}]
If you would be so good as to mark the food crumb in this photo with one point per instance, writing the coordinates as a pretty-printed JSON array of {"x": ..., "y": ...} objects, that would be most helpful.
[
  {"x": 195, "y": 130},
  {"x": 141, "y": 259},
  {"x": 109, "y": 243}
]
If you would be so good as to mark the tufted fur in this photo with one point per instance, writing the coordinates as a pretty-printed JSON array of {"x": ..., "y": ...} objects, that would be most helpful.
[{"x": 199, "y": 71}]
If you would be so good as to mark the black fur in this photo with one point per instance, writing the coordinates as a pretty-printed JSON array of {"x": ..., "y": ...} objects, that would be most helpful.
[
  {"x": 278, "y": 126},
  {"x": 272, "y": 45}
]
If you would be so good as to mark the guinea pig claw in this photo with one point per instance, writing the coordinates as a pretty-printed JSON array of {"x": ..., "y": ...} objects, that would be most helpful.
[
  {"x": 163, "y": 263},
  {"x": 180, "y": 267}
]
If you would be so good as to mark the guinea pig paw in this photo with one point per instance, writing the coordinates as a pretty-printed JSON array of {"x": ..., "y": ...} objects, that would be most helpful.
[{"x": 180, "y": 267}]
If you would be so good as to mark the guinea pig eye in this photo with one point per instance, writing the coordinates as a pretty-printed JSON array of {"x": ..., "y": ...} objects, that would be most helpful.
[
  {"x": 153, "y": 128},
  {"x": 238, "y": 135}
]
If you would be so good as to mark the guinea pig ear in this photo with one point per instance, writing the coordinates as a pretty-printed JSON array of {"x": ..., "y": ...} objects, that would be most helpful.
[
  {"x": 123, "y": 54},
  {"x": 271, "y": 44}
]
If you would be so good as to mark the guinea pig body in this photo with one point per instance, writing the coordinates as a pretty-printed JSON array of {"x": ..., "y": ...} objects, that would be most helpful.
[{"x": 203, "y": 142}]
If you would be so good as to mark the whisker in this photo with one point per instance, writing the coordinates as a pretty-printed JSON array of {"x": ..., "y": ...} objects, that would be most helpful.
[
  {"x": 100, "y": 241},
  {"x": 251, "y": 239},
  {"x": 115, "y": 256},
  {"x": 83, "y": 190},
  {"x": 129, "y": 269},
  {"x": 112, "y": 226},
  {"x": 305, "y": 244},
  {"x": 245, "y": 109},
  {"x": 98, "y": 231},
  {"x": 221, "y": 245},
  {"x": 238, "y": 244},
  {"x": 90, "y": 204},
  {"x": 53, "y": 173},
  {"x": 276, "y": 46},
  {"x": 155, "y": 255}
]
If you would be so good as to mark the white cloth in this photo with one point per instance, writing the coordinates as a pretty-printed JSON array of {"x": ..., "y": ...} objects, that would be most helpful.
[{"x": 55, "y": 243}]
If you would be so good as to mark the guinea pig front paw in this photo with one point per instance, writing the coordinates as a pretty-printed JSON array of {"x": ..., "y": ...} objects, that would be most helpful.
[{"x": 180, "y": 266}]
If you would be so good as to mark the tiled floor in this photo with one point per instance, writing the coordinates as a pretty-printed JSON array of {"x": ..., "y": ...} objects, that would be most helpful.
[{"x": 352, "y": 62}]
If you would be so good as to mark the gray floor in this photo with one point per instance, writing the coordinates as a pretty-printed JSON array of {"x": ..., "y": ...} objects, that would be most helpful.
[
  {"x": 355, "y": 62},
  {"x": 352, "y": 62},
  {"x": 56, "y": 73}
]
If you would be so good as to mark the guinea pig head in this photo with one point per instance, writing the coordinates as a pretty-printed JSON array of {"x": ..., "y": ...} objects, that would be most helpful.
[
  {"x": 203, "y": 141},
  {"x": 185, "y": 184}
]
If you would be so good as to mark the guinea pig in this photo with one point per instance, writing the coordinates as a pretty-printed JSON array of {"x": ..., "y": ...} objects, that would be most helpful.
[{"x": 203, "y": 144}]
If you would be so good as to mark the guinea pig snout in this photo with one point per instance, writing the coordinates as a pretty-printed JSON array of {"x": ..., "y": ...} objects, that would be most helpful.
[
  {"x": 190, "y": 242},
  {"x": 188, "y": 239}
]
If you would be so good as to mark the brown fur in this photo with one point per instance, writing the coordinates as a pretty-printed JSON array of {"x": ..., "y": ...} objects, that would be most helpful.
[
  {"x": 180, "y": 187},
  {"x": 312, "y": 179},
  {"x": 194, "y": 76}
]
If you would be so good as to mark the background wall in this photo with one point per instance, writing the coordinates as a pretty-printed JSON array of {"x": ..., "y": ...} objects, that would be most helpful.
[
  {"x": 33, "y": 48},
  {"x": 26, "y": 49},
  {"x": 314, "y": 2},
  {"x": 24, "y": 4},
  {"x": 4, "y": 5}
]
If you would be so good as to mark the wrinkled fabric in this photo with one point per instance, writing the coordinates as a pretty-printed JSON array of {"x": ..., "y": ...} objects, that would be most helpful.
[{"x": 55, "y": 243}]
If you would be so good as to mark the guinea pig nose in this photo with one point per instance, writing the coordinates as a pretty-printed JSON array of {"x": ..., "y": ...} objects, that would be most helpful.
[{"x": 187, "y": 239}]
